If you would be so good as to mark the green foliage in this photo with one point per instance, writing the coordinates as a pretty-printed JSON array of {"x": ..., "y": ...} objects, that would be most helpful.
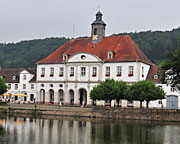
[
  {"x": 122, "y": 90},
  {"x": 145, "y": 91},
  {"x": 107, "y": 90},
  {"x": 3, "y": 86},
  {"x": 139, "y": 91},
  {"x": 170, "y": 69},
  {"x": 26, "y": 53}
]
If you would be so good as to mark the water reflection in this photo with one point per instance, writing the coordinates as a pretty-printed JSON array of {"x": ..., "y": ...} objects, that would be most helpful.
[{"x": 63, "y": 131}]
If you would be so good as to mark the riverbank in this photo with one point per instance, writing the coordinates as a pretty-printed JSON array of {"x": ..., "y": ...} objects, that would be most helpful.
[{"x": 94, "y": 112}]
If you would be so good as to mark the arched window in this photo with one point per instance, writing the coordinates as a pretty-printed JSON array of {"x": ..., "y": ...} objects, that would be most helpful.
[{"x": 95, "y": 31}]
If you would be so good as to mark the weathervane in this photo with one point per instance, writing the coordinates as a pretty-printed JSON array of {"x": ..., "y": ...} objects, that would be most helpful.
[{"x": 98, "y": 7}]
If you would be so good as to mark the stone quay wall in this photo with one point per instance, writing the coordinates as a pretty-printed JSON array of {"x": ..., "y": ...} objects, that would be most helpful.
[{"x": 103, "y": 112}]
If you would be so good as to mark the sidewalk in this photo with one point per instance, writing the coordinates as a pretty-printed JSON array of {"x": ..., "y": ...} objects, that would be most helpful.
[{"x": 50, "y": 107}]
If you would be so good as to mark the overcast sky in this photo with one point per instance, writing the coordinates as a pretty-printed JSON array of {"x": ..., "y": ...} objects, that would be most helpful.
[{"x": 34, "y": 19}]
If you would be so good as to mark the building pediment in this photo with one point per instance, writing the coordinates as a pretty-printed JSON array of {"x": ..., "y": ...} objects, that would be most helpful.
[{"x": 84, "y": 57}]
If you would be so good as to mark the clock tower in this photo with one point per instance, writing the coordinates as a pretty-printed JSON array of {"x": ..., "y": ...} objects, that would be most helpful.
[{"x": 98, "y": 29}]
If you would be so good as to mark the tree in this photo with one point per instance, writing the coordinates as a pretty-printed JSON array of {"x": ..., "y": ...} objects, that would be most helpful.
[
  {"x": 3, "y": 86},
  {"x": 145, "y": 91},
  {"x": 121, "y": 90},
  {"x": 106, "y": 90},
  {"x": 170, "y": 69}
]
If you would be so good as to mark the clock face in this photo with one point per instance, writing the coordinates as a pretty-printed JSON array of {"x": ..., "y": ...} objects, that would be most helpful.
[
  {"x": 95, "y": 37},
  {"x": 83, "y": 57}
]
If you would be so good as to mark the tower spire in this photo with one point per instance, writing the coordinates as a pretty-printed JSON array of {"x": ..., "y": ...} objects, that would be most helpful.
[{"x": 98, "y": 28}]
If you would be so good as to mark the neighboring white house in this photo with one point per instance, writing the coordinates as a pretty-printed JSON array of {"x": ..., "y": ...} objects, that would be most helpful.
[
  {"x": 70, "y": 73},
  {"x": 20, "y": 81}
]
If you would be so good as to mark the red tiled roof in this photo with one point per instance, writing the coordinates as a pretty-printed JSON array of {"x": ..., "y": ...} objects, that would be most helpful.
[{"x": 124, "y": 49}]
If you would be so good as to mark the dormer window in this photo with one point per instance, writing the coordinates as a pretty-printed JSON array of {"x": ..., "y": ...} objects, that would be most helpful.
[
  {"x": 64, "y": 56},
  {"x": 14, "y": 77},
  {"x": 155, "y": 76},
  {"x": 110, "y": 55}
]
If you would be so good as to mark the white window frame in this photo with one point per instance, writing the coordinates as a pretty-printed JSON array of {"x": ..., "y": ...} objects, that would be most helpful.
[
  {"x": 16, "y": 86},
  {"x": 14, "y": 77},
  {"x": 64, "y": 56},
  {"x": 32, "y": 86},
  {"x": 83, "y": 71},
  {"x": 119, "y": 70},
  {"x": 108, "y": 70},
  {"x": 142, "y": 70},
  {"x": 24, "y": 86},
  {"x": 43, "y": 71},
  {"x": 110, "y": 55},
  {"x": 9, "y": 86},
  {"x": 72, "y": 70},
  {"x": 131, "y": 70},
  {"x": 52, "y": 70},
  {"x": 61, "y": 70},
  {"x": 24, "y": 77},
  {"x": 94, "y": 70}
]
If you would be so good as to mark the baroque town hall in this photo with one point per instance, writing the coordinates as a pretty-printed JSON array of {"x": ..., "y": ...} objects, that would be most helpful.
[{"x": 71, "y": 72}]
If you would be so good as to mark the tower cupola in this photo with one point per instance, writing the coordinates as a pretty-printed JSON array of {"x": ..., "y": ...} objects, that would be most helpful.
[{"x": 98, "y": 29}]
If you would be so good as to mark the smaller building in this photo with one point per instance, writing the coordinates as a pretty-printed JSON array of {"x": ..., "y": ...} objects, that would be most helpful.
[{"x": 20, "y": 81}]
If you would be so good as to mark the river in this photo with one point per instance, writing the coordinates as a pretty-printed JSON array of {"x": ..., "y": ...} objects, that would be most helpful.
[{"x": 64, "y": 130}]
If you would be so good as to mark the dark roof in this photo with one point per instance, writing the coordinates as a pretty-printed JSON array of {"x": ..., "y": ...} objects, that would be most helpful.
[
  {"x": 124, "y": 49},
  {"x": 9, "y": 73},
  {"x": 33, "y": 80},
  {"x": 153, "y": 71}
]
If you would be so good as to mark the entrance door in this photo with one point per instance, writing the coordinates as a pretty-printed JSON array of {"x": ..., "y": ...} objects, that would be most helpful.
[
  {"x": 51, "y": 96},
  {"x": 172, "y": 102},
  {"x": 83, "y": 97},
  {"x": 71, "y": 92},
  {"x": 61, "y": 96}
]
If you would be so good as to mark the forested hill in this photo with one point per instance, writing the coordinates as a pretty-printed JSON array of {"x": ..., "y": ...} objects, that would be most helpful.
[{"x": 25, "y": 53}]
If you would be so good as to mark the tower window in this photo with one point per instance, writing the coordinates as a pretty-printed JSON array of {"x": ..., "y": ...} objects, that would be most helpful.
[{"x": 95, "y": 31}]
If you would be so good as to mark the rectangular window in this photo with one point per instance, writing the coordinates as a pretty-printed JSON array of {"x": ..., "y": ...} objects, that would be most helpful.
[
  {"x": 71, "y": 71},
  {"x": 107, "y": 71},
  {"x": 24, "y": 86},
  {"x": 160, "y": 101},
  {"x": 119, "y": 70},
  {"x": 9, "y": 86},
  {"x": 94, "y": 71},
  {"x": 16, "y": 86},
  {"x": 43, "y": 71},
  {"x": 24, "y": 77},
  {"x": 51, "y": 72},
  {"x": 131, "y": 71},
  {"x": 32, "y": 86},
  {"x": 142, "y": 71},
  {"x": 83, "y": 71},
  {"x": 61, "y": 71}
]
